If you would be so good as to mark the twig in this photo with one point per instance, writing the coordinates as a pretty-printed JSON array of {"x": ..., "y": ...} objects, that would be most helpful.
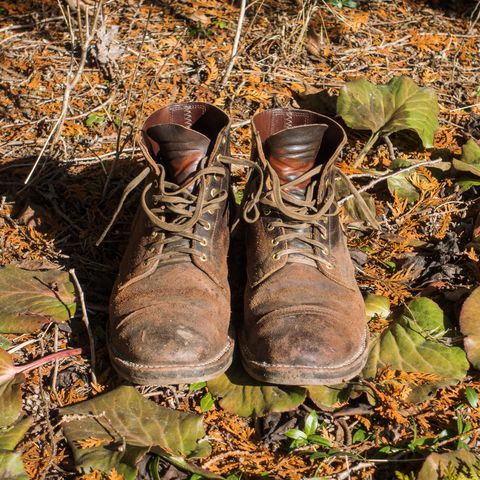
[
  {"x": 118, "y": 148},
  {"x": 91, "y": 340},
  {"x": 236, "y": 41},
  {"x": 346, "y": 473},
  {"x": 390, "y": 175},
  {"x": 389, "y": 143},
  {"x": 56, "y": 131}
]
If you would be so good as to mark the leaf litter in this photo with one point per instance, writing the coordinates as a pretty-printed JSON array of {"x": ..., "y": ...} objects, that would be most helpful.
[{"x": 291, "y": 54}]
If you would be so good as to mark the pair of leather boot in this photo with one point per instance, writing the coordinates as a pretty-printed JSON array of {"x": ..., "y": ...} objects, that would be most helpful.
[{"x": 304, "y": 320}]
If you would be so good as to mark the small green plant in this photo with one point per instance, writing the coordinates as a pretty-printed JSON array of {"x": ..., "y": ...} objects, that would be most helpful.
[
  {"x": 308, "y": 435},
  {"x": 95, "y": 118}
]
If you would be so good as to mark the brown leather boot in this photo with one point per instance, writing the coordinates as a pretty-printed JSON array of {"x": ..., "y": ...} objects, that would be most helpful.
[
  {"x": 170, "y": 307},
  {"x": 305, "y": 321}
]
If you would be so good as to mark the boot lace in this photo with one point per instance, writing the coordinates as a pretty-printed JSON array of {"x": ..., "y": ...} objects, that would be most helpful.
[
  {"x": 298, "y": 216},
  {"x": 174, "y": 211}
]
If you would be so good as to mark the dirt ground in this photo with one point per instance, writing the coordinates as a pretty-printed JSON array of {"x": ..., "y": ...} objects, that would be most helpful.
[{"x": 147, "y": 54}]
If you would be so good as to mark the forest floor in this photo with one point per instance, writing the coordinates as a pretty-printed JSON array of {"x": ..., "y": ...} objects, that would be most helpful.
[{"x": 147, "y": 54}]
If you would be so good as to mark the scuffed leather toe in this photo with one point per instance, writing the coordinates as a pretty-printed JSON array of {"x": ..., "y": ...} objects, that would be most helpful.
[{"x": 300, "y": 346}]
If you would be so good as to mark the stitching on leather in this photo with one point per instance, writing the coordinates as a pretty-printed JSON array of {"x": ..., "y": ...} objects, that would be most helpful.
[
  {"x": 188, "y": 116},
  {"x": 352, "y": 360},
  {"x": 153, "y": 367}
]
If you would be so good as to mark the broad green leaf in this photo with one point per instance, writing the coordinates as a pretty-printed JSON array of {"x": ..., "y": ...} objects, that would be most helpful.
[
  {"x": 470, "y": 161},
  {"x": 385, "y": 109},
  {"x": 245, "y": 396},
  {"x": 131, "y": 425},
  {"x": 401, "y": 186},
  {"x": 376, "y": 306},
  {"x": 11, "y": 466},
  {"x": 467, "y": 183},
  {"x": 10, "y": 393},
  {"x": 5, "y": 343},
  {"x": 470, "y": 327},
  {"x": 458, "y": 465},
  {"x": 207, "y": 402},
  {"x": 413, "y": 343},
  {"x": 329, "y": 397},
  {"x": 30, "y": 299},
  {"x": 10, "y": 437}
]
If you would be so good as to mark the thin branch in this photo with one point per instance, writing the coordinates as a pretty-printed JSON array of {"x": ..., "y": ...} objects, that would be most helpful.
[
  {"x": 91, "y": 340},
  {"x": 56, "y": 131},
  {"x": 236, "y": 41},
  {"x": 390, "y": 175}
]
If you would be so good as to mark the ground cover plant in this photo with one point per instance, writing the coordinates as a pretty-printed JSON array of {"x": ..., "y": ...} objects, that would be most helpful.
[{"x": 76, "y": 80}]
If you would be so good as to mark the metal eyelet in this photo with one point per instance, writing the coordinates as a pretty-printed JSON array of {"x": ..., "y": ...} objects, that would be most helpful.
[
  {"x": 207, "y": 226},
  {"x": 267, "y": 211},
  {"x": 203, "y": 242},
  {"x": 274, "y": 242},
  {"x": 270, "y": 227},
  {"x": 275, "y": 256},
  {"x": 329, "y": 266},
  {"x": 203, "y": 258},
  {"x": 213, "y": 192},
  {"x": 325, "y": 251},
  {"x": 154, "y": 234},
  {"x": 145, "y": 262}
]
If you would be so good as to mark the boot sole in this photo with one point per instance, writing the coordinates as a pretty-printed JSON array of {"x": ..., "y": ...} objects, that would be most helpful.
[
  {"x": 172, "y": 374},
  {"x": 303, "y": 375}
]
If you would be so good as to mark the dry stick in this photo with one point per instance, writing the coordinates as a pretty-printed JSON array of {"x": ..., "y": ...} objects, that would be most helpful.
[
  {"x": 390, "y": 175},
  {"x": 56, "y": 131},
  {"x": 346, "y": 473},
  {"x": 118, "y": 149},
  {"x": 86, "y": 322},
  {"x": 236, "y": 41}
]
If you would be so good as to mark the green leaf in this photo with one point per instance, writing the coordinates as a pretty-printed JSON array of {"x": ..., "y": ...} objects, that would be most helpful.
[
  {"x": 5, "y": 343},
  {"x": 95, "y": 118},
  {"x": 377, "y": 306},
  {"x": 329, "y": 397},
  {"x": 401, "y": 186},
  {"x": 470, "y": 161},
  {"x": 207, "y": 402},
  {"x": 131, "y": 426},
  {"x": 472, "y": 397},
  {"x": 385, "y": 109},
  {"x": 458, "y": 465},
  {"x": 245, "y": 396},
  {"x": 467, "y": 183},
  {"x": 11, "y": 466},
  {"x": 10, "y": 437},
  {"x": 10, "y": 393},
  {"x": 319, "y": 440},
  {"x": 296, "y": 434},
  {"x": 197, "y": 386},
  {"x": 413, "y": 343},
  {"x": 311, "y": 423},
  {"x": 470, "y": 327},
  {"x": 30, "y": 299}
]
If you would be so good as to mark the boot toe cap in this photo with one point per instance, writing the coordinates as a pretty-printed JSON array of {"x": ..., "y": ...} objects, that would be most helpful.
[{"x": 308, "y": 344}]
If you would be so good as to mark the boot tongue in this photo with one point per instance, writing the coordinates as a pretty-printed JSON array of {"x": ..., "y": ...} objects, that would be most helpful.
[
  {"x": 179, "y": 149},
  {"x": 293, "y": 152}
]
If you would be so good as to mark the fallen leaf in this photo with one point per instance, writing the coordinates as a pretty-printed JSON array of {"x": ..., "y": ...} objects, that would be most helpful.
[
  {"x": 329, "y": 397},
  {"x": 470, "y": 327},
  {"x": 385, "y": 109},
  {"x": 376, "y": 306},
  {"x": 459, "y": 465},
  {"x": 415, "y": 342},
  {"x": 401, "y": 186},
  {"x": 470, "y": 161},
  {"x": 131, "y": 425},
  {"x": 11, "y": 466},
  {"x": 242, "y": 395},
  {"x": 30, "y": 299},
  {"x": 10, "y": 437}
]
